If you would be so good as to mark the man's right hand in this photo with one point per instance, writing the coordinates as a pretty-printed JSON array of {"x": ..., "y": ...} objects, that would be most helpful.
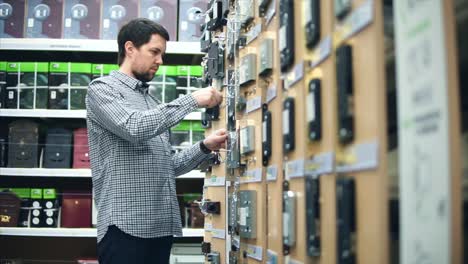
[{"x": 208, "y": 97}]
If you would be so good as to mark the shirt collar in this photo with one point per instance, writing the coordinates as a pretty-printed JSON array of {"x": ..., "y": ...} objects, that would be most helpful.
[{"x": 129, "y": 81}]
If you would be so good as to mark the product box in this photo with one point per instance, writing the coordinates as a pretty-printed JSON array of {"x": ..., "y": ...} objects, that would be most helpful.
[
  {"x": 180, "y": 135},
  {"x": 80, "y": 148},
  {"x": 76, "y": 209},
  {"x": 100, "y": 70},
  {"x": 12, "y": 14},
  {"x": 163, "y": 85},
  {"x": 81, "y": 19},
  {"x": 23, "y": 142},
  {"x": 163, "y": 12},
  {"x": 58, "y": 148},
  {"x": 115, "y": 14},
  {"x": 27, "y": 85},
  {"x": 191, "y": 18},
  {"x": 37, "y": 219},
  {"x": 68, "y": 83},
  {"x": 3, "y": 66},
  {"x": 25, "y": 206},
  {"x": 50, "y": 205},
  {"x": 44, "y": 19}
]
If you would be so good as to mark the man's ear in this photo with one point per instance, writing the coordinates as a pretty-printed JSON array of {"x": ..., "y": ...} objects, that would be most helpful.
[{"x": 129, "y": 48}]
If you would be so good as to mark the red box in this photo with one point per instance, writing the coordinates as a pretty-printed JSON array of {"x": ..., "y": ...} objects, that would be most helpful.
[
  {"x": 12, "y": 18},
  {"x": 80, "y": 148},
  {"x": 76, "y": 209},
  {"x": 163, "y": 12}
]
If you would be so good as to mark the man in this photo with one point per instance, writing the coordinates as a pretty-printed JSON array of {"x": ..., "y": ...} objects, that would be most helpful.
[{"x": 132, "y": 164}]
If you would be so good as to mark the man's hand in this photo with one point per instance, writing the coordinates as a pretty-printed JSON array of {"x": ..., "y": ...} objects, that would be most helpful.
[
  {"x": 208, "y": 97},
  {"x": 216, "y": 140}
]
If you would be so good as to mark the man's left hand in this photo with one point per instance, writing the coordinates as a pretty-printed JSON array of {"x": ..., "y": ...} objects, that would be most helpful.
[{"x": 217, "y": 140}]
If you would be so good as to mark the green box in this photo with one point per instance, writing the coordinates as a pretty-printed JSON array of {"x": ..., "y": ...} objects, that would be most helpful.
[
  {"x": 68, "y": 77},
  {"x": 27, "y": 85},
  {"x": 36, "y": 193},
  {"x": 49, "y": 193},
  {"x": 100, "y": 70}
]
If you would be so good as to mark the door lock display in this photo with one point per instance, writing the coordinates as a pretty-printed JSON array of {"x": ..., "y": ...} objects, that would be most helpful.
[
  {"x": 288, "y": 124},
  {"x": 286, "y": 34},
  {"x": 266, "y": 135},
  {"x": 314, "y": 117},
  {"x": 312, "y": 26},
  {"x": 344, "y": 75}
]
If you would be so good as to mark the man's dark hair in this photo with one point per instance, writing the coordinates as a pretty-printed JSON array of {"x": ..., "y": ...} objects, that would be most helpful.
[{"x": 139, "y": 32}]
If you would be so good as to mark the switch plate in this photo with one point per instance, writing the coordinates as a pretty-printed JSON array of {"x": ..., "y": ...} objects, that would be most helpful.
[
  {"x": 247, "y": 137},
  {"x": 247, "y": 214},
  {"x": 289, "y": 218},
  {"x": 312, "y": 19},
  {"x": 288, "y": 125},
  {"x": 266, "y": 135},
  {"x": 215, "y": 61},
  {"x": 344, "y": 75},
  {"x": 266, "y": 57},
  {"x": 314, "y": 113},
  {"x": 248, "y": 69},
  {"x": 346, "y": 220},
  {"x": 312, "y": 192},
  {"x": 286, "y": 34}
]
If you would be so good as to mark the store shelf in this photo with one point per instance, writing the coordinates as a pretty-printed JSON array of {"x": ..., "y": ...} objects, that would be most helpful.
[
  {"x": 41, "y": 172},
  {"x": 94, "y": 45},
  {"x": 78, "y": 173},
  {"x": 195, "y": 174},
  {"x": 43, "y": 113},
  {"x": 48, "y": 232},
  {"x": 74, "y": 232},
  {"x": 49, "y": 113}
]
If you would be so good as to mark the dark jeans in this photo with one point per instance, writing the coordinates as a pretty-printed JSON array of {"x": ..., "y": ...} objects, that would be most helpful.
[{"x": 117, "y": 247}]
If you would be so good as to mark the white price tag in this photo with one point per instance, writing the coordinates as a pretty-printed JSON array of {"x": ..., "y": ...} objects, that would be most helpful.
[
  {"x": 184, "y": 25},
  {"x": 11, "y": 95},
  {"x": 106, "y": 23},
  {"x": 53, "y": 95}
]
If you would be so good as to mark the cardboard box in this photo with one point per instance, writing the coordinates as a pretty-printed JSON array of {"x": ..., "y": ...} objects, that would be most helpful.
[
  {"x": 191, "y": 18},
  {"x": 163, "y": 12},
  {"x": 44, "y": 19},
  {"x": 81, "y": 19},
  {"x": 68, "y": 83},
  {"x": 12, "y": 14},
  {"x": 27, "y": 85},
  {"x": 115, "y": 14}
]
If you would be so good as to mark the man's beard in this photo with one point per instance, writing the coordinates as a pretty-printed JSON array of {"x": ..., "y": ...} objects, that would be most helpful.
[{"x": 142, "y": 76}]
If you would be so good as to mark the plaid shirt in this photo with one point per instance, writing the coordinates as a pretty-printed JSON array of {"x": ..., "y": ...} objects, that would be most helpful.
[{"x": 133, "y": 167}]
